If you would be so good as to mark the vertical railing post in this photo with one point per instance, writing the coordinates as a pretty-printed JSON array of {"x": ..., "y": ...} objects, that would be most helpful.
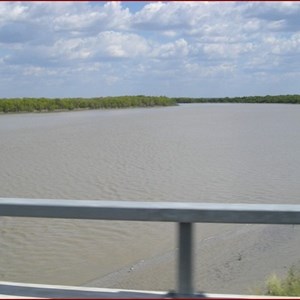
[{"x": 185, "y": 267}]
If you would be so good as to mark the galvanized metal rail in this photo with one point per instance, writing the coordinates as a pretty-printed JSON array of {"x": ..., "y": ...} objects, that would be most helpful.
[{"x": 185, "y": 214}]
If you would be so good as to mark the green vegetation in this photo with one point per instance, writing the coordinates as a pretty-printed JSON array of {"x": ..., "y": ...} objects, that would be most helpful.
[
  {"x": 292, "y": 99},
  {"x": 46, "y": 104},
  {"x": 290, "y": 286}
]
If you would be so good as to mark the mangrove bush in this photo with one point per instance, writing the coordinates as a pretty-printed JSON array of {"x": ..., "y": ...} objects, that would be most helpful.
[{"x": 49, "y": 104}]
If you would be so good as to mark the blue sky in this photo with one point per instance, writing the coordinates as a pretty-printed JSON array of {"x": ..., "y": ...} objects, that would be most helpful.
[{"x": 193, "y": 49}]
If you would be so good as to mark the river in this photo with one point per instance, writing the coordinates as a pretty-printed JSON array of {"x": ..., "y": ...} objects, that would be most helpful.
[{"x": 229, "y": 153}]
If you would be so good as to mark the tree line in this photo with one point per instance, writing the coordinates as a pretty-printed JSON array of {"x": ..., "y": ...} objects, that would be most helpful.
[
  {"x": 49, "y": 104},
  {"x": 11, "y": 105},
  {"x": 292, "y": 99}
]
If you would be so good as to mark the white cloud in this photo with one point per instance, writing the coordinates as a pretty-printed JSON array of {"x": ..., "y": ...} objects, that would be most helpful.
[
  {"x": 107, "y": 44},
  {"x": 177, "y": 42},
  {"x": 284, "y": 46},
  {"x": 176, "y": 49},
  {"x": 224, "y": 50},
  {"x": 10, "y": 12},
  {"x": 110, "y": 16}
]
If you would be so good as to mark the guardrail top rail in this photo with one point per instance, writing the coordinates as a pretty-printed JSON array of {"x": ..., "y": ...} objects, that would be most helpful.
[
  {"x": 151, "y": 211},
  {"x": 183, "y": 213}
]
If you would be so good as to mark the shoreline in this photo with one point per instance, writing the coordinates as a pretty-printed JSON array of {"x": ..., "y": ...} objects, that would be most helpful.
[
  {"x": 133, "y": 107},
  {"x": 76, "y": 110},
  {"x": 42, "y": 105}
]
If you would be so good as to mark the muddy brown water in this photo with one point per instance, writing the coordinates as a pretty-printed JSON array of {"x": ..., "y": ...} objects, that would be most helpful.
[{"x": 229, "y": 153}]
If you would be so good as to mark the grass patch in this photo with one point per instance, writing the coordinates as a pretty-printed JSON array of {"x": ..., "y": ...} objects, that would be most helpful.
[{"x": 289, "y": 286}]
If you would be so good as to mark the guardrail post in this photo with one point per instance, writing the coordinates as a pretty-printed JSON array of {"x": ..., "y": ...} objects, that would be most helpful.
[{"x": 185, "y": 268}]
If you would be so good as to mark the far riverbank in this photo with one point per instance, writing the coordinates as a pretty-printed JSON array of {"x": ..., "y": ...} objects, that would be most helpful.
[{"x": 20, "y": 105}]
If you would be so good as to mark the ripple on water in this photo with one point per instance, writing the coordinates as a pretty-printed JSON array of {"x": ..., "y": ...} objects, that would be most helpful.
[{"x": 205, "y": 153}]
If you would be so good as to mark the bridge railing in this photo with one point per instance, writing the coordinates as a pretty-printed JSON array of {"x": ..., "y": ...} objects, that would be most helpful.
[{"x": 185, "y": 214}]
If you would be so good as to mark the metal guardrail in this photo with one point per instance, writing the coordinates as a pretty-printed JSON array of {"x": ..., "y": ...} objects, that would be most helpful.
[{"x": 185, "y": 214}]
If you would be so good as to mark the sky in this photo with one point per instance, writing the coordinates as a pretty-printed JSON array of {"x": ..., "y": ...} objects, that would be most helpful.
[{"x": 175, "y": 49}]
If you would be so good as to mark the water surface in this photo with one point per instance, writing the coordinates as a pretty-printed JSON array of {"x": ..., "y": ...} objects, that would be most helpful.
[{"x": 229, "y": 153}]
